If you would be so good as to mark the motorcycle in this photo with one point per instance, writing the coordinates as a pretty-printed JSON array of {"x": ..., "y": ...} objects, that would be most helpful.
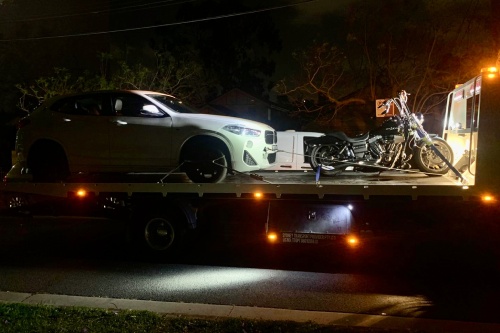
[{"x": 400, "y": 143}]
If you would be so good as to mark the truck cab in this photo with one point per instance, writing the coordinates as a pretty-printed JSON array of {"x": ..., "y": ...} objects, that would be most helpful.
[{"x": 293, "y": 151}]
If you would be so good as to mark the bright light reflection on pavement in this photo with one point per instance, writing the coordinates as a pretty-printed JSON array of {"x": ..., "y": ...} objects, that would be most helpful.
[
  {"x": 225, "y": 279},
  {"x": 212, "y": 278},
  {"x": 284, "y": 287},
  {"x": 413, "y": 306}
]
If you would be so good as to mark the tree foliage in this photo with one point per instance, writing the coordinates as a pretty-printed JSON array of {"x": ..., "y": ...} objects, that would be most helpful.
[
  {"x": 168, "y": 75},
  {"x": 234, "y": 50},
  {"x": 424, "y": 47},
  {"x": 322, "y": 84},
  {"x": 183, "y": 78}
]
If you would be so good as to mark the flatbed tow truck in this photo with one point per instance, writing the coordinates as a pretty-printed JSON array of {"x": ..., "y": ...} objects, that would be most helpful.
[{"x": 302, "y": 207}]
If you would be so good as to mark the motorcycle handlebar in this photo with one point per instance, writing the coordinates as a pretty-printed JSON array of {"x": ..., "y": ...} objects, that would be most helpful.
[{"x": 400, "y": 102}]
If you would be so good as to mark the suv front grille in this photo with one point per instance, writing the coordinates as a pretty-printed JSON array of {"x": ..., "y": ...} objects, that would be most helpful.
[{"x": 271, "y": 137}]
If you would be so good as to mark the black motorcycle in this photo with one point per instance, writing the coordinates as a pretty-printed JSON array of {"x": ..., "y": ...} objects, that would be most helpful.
[{"x": 400, "y": 143}]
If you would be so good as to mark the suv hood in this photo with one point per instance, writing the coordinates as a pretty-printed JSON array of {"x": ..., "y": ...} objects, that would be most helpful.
[{"x": 204, "y": 120}]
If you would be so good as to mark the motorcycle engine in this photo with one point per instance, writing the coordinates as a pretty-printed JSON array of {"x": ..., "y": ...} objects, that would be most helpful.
[{"x": 375, "y": 150}]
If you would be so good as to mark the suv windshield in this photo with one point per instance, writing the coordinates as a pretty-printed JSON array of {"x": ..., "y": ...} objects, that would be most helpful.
[{"x": 174, "y": 104}]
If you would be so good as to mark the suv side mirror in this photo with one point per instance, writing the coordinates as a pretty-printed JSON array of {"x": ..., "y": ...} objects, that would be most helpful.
[{"x": 150, "y": 110}]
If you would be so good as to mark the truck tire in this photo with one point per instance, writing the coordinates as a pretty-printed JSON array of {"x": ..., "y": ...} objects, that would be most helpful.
[{"x": 158, "y": 236}]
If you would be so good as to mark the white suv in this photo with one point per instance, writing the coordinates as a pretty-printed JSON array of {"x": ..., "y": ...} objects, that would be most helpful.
[{"x": 138, "y": 131}]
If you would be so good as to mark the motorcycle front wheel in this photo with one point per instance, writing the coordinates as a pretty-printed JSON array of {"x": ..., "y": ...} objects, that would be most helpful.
[
  {"x": 327, "y": 157},
  {"x": 428, "y": 161}
]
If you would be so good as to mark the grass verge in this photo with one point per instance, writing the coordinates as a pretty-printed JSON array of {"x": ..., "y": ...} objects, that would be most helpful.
[{"x": 20, "y": 318}]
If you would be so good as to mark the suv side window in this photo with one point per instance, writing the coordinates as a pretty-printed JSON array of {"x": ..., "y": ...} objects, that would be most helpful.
[
  {"x": 129, "y": 105},
  {"x": 84, "y": 105}
]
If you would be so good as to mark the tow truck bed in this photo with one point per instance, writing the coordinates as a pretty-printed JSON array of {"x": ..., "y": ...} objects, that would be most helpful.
[{"x": 271, "y": 184}]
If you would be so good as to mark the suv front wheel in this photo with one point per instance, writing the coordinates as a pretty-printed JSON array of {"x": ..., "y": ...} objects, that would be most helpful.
[{"x": 205, "y": 164}]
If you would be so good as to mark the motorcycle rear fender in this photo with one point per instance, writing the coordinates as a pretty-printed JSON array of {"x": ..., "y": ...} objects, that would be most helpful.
[{"x": 323, "y": 140}]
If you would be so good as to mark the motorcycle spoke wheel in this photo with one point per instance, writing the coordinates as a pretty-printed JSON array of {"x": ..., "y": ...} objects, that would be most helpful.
[
  {"x": 328, "y": 158},
  {"x": 428, "y": 161}
]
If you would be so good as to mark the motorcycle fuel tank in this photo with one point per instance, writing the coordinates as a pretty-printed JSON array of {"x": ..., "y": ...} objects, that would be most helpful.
[{"x": 390, "y": 126}]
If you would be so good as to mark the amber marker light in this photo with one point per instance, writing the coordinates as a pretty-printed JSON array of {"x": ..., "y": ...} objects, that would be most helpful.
[
  {"x": 81, "y": 193},
  {"x": 488, "y": 198},
  {"x": 272, "y": 237},
  {"x": 352, "y": 241},
  {"x": 258, "y": 195}
]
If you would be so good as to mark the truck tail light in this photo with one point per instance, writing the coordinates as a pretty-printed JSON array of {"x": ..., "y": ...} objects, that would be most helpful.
[
  {"x": 352, "y": 241},
  {"x": 272, "y": 237}
]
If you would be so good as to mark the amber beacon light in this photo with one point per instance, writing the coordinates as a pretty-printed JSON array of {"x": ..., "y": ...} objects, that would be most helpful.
[{"x": 490, "y": 72}]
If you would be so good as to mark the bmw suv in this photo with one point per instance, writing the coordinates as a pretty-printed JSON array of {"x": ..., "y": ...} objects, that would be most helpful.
[{"x": 137, "y": 131}]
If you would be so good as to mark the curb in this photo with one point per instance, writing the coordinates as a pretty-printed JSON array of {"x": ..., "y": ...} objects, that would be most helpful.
[{"x": 254, "y": 313}]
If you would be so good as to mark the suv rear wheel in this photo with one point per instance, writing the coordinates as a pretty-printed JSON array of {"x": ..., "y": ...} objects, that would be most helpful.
[{"x": 48, "y": 163}]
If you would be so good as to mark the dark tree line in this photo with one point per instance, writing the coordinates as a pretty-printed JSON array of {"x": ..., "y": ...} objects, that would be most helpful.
[
  {"x": 373, "y": 50},
  {"x": 196, "y": 61},
  {"x": 424, "y": 47}
]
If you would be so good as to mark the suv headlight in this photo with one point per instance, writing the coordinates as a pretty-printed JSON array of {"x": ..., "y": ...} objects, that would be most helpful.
[{"x": 242, "y": 130}]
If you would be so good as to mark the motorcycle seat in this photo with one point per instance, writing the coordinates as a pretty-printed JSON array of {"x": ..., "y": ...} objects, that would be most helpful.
[{"x": 342, "y": 136}]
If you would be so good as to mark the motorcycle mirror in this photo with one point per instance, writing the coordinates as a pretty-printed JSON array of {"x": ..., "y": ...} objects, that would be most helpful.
[{"x": 403, "y": 95}]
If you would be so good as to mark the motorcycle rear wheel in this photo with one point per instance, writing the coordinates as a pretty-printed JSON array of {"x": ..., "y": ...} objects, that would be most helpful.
[
  {"x": 426, "y": 159},
  {"x": 327, "y": 157}
]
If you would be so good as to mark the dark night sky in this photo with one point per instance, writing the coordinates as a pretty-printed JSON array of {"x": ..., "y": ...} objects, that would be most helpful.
[
  {"x": 23, "y": 19},
  {"x": 25, "y": 24},
  {"x": 32, "y": 25}
]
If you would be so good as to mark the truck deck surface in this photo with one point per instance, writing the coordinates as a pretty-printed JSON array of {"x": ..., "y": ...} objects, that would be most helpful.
[
  {"x": 349, "y": 178},
  {"x": 274, "y": 184}
]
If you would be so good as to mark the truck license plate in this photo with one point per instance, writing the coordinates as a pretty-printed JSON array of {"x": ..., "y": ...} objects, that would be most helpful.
[{"x": 303, "y": 238}]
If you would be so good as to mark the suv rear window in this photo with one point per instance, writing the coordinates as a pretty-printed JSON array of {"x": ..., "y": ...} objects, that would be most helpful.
[{"x": 79, "y": 105}]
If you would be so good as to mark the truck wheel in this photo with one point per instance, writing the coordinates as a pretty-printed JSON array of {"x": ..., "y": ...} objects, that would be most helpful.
[
  {"x": 205, "y": 164},
  {"x": 48, "y": 163},
  {"x": 159, "y": 236}
]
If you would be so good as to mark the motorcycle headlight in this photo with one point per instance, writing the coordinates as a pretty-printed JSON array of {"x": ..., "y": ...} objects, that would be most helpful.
[{"x": 242, "y": 130}]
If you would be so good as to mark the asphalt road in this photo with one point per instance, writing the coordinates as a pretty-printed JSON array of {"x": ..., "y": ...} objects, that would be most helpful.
[{"x": 229, "y": 265}]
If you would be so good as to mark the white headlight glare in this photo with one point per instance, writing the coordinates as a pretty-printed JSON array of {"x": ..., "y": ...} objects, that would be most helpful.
[{"x": 242, "y": 130}]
